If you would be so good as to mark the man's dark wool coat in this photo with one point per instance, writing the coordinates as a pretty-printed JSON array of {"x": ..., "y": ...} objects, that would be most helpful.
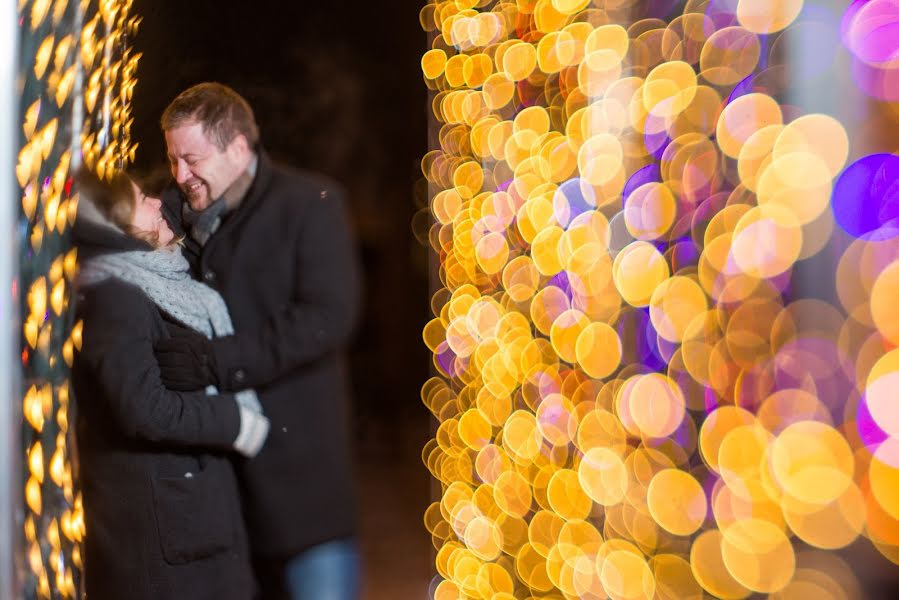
[
  {"x": 161, "y": 499},
  {"x": 285, "y": 264}
]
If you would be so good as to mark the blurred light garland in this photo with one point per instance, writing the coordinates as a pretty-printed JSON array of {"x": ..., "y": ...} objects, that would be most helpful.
[
  {"x": 62, "y": 44},
  {"x": 634, "y": 398}
]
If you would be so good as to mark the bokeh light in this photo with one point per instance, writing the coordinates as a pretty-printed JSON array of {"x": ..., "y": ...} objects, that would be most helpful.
[
  {"x": 866, "y": 195},
  {"x": 870, "y": 32},
  {"x": 626, "y": 210}
]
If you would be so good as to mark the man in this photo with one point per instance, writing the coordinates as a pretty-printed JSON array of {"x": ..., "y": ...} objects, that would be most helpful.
[{"x": 275, "y": 243}]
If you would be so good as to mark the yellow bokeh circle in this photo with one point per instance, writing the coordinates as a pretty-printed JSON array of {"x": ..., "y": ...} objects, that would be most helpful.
[
  {"x": 812, "y": 462},
  {"x": 603, "y": 476},
  {"x": 627, "y": 576},
  {"x": 884, "y": 309},
  {"x": 758, "y": 555},
  {"x": 767, "y": 16},
  {"x": 742, "y": 118},
  {"x": 598, "y": 350},
  {"x": 650, "y": 211},
  {"x": 676, "y": 501},
  {"x": 637, "y": 271},
  {"x": 673, "y": 306}
]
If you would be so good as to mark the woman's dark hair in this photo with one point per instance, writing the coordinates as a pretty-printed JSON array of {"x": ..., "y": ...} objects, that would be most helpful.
[
  {"x": 114, "y": 199},
  {"x": 153, "y": 181}
]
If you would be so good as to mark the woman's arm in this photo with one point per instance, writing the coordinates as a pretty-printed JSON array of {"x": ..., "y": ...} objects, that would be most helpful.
[{"x": 118, "y": 351}]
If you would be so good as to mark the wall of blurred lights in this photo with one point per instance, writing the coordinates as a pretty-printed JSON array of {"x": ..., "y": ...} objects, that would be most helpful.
[
  {"x": 665, "y": 335},
  {"x": 74, "y": 84}
]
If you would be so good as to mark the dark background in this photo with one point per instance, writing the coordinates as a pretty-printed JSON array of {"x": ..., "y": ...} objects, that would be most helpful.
[{"x": 336, "y": 88}]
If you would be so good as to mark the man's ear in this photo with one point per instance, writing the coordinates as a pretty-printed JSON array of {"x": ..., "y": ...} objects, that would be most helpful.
[{"x": 239, "y": 146}]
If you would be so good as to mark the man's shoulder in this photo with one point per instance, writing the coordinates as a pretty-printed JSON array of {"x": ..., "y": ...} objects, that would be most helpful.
[{"x": 302, "y": 185}]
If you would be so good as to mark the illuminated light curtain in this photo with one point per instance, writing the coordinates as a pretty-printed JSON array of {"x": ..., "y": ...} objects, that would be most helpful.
[
  {"x": 77, "y": 77},
  {"x": 635, "y": 398},
  {"x": 109, "y": 80}
]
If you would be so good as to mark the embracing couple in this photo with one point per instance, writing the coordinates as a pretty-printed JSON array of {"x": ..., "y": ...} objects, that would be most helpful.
[{"x": 212, "y": 428}]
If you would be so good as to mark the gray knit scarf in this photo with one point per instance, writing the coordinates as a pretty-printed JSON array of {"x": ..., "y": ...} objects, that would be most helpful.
[{"x": 163, "y": 276}]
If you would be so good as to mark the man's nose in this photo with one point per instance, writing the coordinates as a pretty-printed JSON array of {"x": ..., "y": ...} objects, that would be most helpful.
[{"x": 182, "y": 173}]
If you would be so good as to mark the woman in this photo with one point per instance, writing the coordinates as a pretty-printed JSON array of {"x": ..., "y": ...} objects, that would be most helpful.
[{"x": 160, "y": 496}]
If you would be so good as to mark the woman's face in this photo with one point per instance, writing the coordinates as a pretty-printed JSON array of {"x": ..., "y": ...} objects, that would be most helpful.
[{"x": 147, "y": 217}]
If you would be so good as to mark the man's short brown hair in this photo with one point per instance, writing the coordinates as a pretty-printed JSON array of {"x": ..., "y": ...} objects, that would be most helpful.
[{"x": 222, "y": 112}]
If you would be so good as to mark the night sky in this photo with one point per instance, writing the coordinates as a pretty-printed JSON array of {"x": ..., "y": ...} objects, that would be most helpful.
[{"x": 336, "y": 88}]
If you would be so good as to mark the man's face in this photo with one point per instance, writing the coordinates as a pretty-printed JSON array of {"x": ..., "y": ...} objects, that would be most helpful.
[{"x": 203, "y": 171}]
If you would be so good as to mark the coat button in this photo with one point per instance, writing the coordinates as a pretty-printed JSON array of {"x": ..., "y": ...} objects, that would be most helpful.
[
  {"x": 239, "y": 376},
  {"x": 209, "y": 276},
  {"x": 324, "y": 193}
]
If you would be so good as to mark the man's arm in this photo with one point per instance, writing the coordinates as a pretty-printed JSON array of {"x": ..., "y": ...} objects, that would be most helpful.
[{"x": 318, "y": 321}]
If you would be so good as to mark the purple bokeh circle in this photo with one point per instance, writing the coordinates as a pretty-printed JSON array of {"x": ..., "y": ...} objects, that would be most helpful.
[
  {"x": 866, "y": 195},
  {"x": 648, "y": 174},
  {"x": 870, "y": 30}
]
